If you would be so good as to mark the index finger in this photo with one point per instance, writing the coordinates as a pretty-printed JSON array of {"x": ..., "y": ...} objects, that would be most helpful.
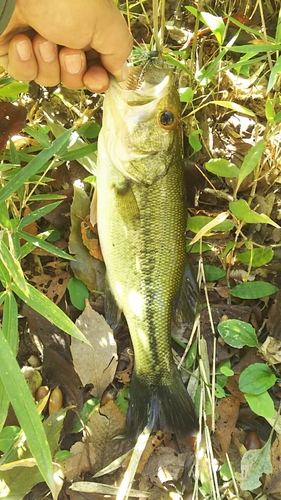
[{"x": 112, "y": 40}]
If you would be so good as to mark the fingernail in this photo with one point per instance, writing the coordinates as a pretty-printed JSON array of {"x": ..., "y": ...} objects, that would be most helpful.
[
  {"x": 123, "y": 73},
  {"x": 48, "y": 51},
  {"x": 73, "y": 63},
  {"x": 23, "y": 50}
]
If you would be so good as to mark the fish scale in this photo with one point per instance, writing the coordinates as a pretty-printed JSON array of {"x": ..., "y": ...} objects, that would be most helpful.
[{"x": 141, "y": 222}]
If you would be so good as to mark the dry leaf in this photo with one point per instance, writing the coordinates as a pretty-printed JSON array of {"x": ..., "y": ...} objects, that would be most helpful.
[
  {"x": 53, "y": 287},
  {"x": 82, "y": 460},
  {"x": 96, "y": 365},
  {"x": 228, "y": 411},
  {"x": 153, "y": 443},
  {"x": 271, "y": 349},
  {"x": 272, "y": 484},
  {"x": 164, "y": 465},
  {"x": 104, "y": 426}
]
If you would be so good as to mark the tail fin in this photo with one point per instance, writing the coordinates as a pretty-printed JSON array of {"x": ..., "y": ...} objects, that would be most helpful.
[{"x": 166, "y": 406}]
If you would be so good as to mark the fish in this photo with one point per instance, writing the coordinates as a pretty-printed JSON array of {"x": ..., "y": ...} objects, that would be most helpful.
[{"x": 141, "y": 217}]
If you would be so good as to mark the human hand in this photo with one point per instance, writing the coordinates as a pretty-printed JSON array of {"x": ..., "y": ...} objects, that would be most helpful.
[{"x": 76, "y": 43}]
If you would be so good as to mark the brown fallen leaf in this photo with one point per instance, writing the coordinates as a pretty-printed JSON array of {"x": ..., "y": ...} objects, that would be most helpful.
[
  {"x": 53, "y": 287},
  {"x": 105, "y": 428},
  {"x": 95, "y": 365},
  {"x": 228, "y": 411},
  {"x": 82, "y": 460},
  {"x": 272, "y": 483},
  {"x": 164, "y": 465},
  {"x": 271, "y": 349}
]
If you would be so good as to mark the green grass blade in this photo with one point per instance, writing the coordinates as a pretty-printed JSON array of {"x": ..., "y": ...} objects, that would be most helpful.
[
  {"x": 37, "y": 301},
  {"x": 25, "y": 410},
  {"x": 10, "y": 330},
  {"x": 48, "y": 247},
  {"x": 13, "y": 267},
  {"x": 34, "y": 166},
  {"x": 37, "y": 214}
]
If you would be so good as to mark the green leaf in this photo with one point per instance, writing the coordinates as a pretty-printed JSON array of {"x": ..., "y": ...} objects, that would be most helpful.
[
  {"x": 19, "y": 480},
  {"x": 224, "y": 371},
  {"x": 8, "y": 435},
  {"x": 242, "y": 212},
  {"x": 261, "y": 404},
  {"x": 238, "y": 333},
  {"x": 213, "y": 273},
  {"x": 10, "y": 331},
  {"x": 265, "y": 47},
  {"x": 250, "y": 161},
  {"x": 256, "y": 379},
  {"x": 13, "y": 267},
  {"x": 84, "y": 415},
  {"x": 273, "y": 74},
  {"x": 40, "y": 303},
  {"x": 196, "y": 223},
  {"x": 40, "y": 243},
  {"x": 257, "y": 257},
  {"x": 13, "y": 89},
  {"x": 222, "y": 167},
  {"x": 215, "y": 24},
  {"x": 186, "y": 94},
  {"x": 78, "y": 292},
  {"x": 254, "y": 464},
  {"x": 253, "y": 290},
  {"x": 37, "y": 214},
  {"x": 26, "y": 412},
  {"x": 34, "y": 166},
  {"x": 194, "y": 141}
]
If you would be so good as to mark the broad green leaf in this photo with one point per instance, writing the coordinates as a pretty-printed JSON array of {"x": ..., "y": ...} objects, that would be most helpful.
[
  {"x": 222, "y": 167},
  {"x": 250, "y": 161},
  {"x": 78, "y": 293},
  {"x": 36, "y": 164},
  {"x": 198, "y": 222},
  {"x": 238, "y": 333},
  {"x": 13, "y": 267},
  {"x": 37, "y": 214},
  {"x": 257, "y": 257},
  {"x": 195, "y": 142},
  {"x": 213, "y": 273},
  {"x": 261, "y": 404},
  {"x": 20, "y": 479},
  {"x": 40, "y": 243},
  {"x": 8, "y": 435},
  {"x": 186, "y": 94},
  {"x": 253, "y": 290},
  {"x": 254, "y": 464},
  {"x": 243, "y": 212},
  {"x": 269, "y": 110},
  {"x": 26, "y": 412},
  {"x": 10, "y": 331},
  {"x": 215, "y": 23},
  {"x": 40, "y": 303},
  {"x": 256, "y": 379}
]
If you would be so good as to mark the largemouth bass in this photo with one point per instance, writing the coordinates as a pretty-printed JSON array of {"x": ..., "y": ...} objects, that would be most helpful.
[{"x": 141, "y": 222}]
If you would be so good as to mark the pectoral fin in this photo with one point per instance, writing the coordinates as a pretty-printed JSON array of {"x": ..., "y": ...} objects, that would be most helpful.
[
  {"x": 112, "y": 311},
  {"x": 187, "y": 303}
]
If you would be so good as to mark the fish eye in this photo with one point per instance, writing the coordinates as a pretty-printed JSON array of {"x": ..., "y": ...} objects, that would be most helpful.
[{"x": 166, "y": 119}]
